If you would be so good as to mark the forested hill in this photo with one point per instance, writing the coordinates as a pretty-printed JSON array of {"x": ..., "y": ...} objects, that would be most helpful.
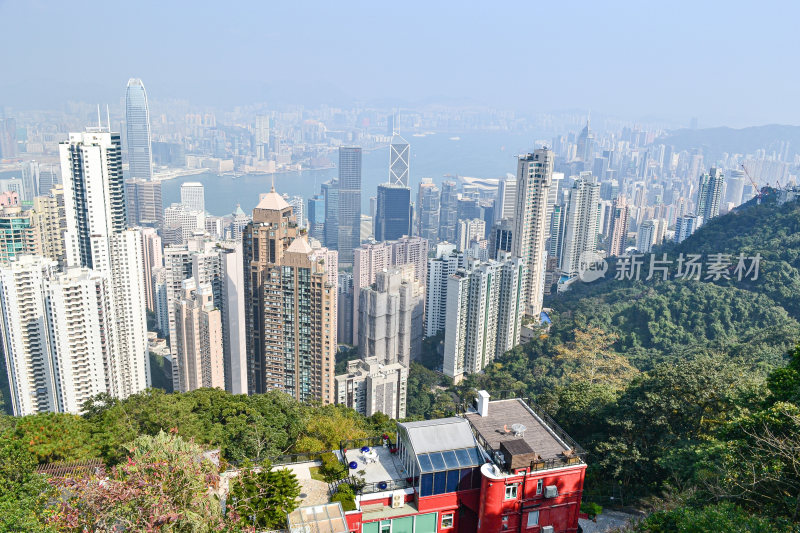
[{"x": 659, "y": 320}]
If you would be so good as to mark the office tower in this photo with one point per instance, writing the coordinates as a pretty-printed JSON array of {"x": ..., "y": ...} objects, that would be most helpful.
[
  {"x": 349, "y": 202},
  {"x": 618, "y": 227},
  {"x": 30, "y": 180},
  {"x": 25, "y": 336},
  {"x": 290, "y": 309},
  {"x": 580, "y": 223},
  {"x": 49, "y": 217},
  {"x": 393, "y": 212},
  {"x": 485, "y": 305},
  {"x": 609, "y": 190},
  {"x": 238, "y": 223},
  {"x": 198, "y": 327},
  {"x": 78, "y": 314},
  {"x": 368, "y": 260},
  {"x": 366, "y": 228},
  {"x": 96, "y": 238},
  {"x": 448, "y": 213},
  {"x": 18, "y": 234},
  {"x": 399, "y": 154},
  {"x": 215, "y": 226},
  {"x": 709, "y": 193},
  {"x": 316, "y": 217},
  {"x": 137, "y": 120},
  {"x": 647, "y": 236},
  {"x": 468, "y": 231},
  {"x": 500, "y": 237},
  {"x": 234, "y": 337},
  {"x": 344, "y": 308},
  {"x": 152, "y": 258},
  {"x": 391, "y": 317},
  {"x": 428, "y": 199},
  {"x": 734, "y": 190},
  {"x": 440, "y": 268},
  {"x": 143, "y": 203},
  {"x": 585, "y": 151},
  {"x": 261, "y": 136},
  {"x": 330, "y": 191},
  {"x": 193, "y": 196},
  {"x": 370, "y": 386},
  {"x": 506, "y": 198},
  {"x": 534, "y": 177},
  {"x": 8, "y": 138},
  {"x": 685, "y": 225},
  {"x": 47, "y": 180},
  {"x": 185, "y": 221}
]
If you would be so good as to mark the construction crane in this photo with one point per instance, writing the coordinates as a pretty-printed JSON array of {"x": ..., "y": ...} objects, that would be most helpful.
[{"x": 758, "y": 192}]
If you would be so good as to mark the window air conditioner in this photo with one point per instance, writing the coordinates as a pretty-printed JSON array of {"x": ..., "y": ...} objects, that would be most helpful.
[
  {"x": 550, "y": 491},
  {"x": 398, "y": 499}
]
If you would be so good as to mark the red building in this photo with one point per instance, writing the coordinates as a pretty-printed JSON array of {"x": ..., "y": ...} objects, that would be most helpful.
[{"x": 504, "y": 465}]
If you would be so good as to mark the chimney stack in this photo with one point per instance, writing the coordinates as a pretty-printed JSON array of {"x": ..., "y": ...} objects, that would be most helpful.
[{"x": 483, "y": 403}]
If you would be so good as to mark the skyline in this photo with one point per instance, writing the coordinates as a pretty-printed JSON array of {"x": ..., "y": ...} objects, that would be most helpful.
[{"x": 674, "y": 64}]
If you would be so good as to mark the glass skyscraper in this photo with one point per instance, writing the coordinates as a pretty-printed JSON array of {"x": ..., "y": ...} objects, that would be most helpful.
[
  {"x": 137, "y": 118},
  {"x": 349, "y": 202},
  {"x": 393, "y": 215}
]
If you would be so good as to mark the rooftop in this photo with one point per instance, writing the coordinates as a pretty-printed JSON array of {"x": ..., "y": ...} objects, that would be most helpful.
[
  {"x": 439, "y": 435},
  {"x": 500, "y": 423},
  {"x": 383, "y": 466}
]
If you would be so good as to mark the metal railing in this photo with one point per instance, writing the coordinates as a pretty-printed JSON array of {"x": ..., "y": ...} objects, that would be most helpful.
[{"x": 361, "y": 487}]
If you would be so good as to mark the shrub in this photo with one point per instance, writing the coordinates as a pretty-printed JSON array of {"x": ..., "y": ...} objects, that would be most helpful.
[{"x": 332, "y": 469}]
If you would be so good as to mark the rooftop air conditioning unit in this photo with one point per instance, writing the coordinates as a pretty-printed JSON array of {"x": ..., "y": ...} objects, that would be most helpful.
[
  {"x": 398, "y": 499},
  {"x": 547, "y": 529},
  {"x": 550, "y": 491}
]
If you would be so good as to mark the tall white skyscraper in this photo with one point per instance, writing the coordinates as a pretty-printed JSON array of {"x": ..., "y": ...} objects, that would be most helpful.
[
  {"x": 580, "y": 223},
  {"x": 399, "y": 153},
  {"x": 137, "y": 121},
  {"x": 506, "y": 198},
  {"x": 152, "y": 258},
  {"x": 446, "y": 262},
  {"x": 709, "y": 193},
  {"x": 96, "y": 238},
  {"x": 534, "y": 177},
  {"x": 198, "y": 342},
  {"x": 193, "y": 196},
  {"x": 25, "y": 339}
]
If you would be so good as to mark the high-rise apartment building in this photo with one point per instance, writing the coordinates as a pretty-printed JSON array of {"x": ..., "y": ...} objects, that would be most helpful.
[
  {"x": 580, "y": 223},
  {"x": 184, "y": 222},
  {"x": 137, "y": 121},
  {"x": 370, "y": 386},
  {"x": 96, "y": 238},
  {"x": 709, "y": 193},
  {"x": 152, "y": 258},
  {"x": 393, "y": 212},
  {"x": 469, "y": 230},
  {"x": 506, "y": 201},
  {"x": 330, "y": 191},
  {"x": 428, "y": 200},
  {"x": 501, "y": 237},
  {"x": 368, "y": 260},
  {"x": 618, "y": 227},
  {"x": 448, "y": 212},
  {"x": 446, "y": 262},
  {"x": 534, "y": 177},
  {"x": 234, "y": 337},
  {"x": 49, "y": 217},
  {"x": 349, "y": 202},
  {"x": 485, "y": 304},
  {"x": 193, "y": 196},
  {"x": 290, "y": 307},
  {"x": 414, "y": 251},
  {"x": 686, "y": 225},
  {"x": 198, "y": 339},
  {"x": 391, "y": 315},
  {"x": 18, "y": 234},
  {"x": 647, "y": 236}
]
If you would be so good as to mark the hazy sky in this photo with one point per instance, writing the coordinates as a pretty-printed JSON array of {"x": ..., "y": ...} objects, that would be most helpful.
[{"x": 732, "y": 63}]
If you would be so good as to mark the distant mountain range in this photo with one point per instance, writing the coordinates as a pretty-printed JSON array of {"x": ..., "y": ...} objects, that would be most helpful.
[{"x": 716, "y": 141}]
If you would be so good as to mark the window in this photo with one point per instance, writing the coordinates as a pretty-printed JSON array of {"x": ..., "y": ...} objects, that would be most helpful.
[
  {"x": 447, "y": 520},
  {"x": 533, "y": 519},
  {"x": 511, "y": 491},
  {"x": 539, "y": 486},
  {"x": 386, "y": 527}
]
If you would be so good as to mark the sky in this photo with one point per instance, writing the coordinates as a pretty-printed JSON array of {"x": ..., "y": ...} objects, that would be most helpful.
[{"x": 726, "y": 63}]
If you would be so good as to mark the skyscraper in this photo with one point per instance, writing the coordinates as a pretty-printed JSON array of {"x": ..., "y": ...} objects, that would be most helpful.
[
  {"x": 96, "y": 238},
  {"x": 534, "y": 177},
  {"x": 618, "y": 227},
  {"x": 316, "y": 217},
  {"x": 399, "y": 154},
  {"x": 580, "y": 223},
  {"x": 709, "y": 193},
  {"x": 349, "y": 231},
  {"x": 585, "y": 151},
  {"x": 448, "y": 213},
  {"x": 428, "y": 200},
  {"x": 143, "y": 203},
  {"x": 440, "y": 268},
  {"x": 468, "y": 231},
  {"x": 501, "y": 237},
  {"x": 152, "y": 258},
  {"x": 193, "y": 196},
  {"x": 330, "y": 191},
  {"x": 506, "y": 198},
  {"x": 137, "y": 120},
  {"x": 393, "y": 213},
  {"x": 290, "y": 307},
  {"x": 261, "y": 136}
]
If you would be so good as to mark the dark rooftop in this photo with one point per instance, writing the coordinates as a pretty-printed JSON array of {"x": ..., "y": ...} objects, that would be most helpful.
[{"x": 496, "y": 427}]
